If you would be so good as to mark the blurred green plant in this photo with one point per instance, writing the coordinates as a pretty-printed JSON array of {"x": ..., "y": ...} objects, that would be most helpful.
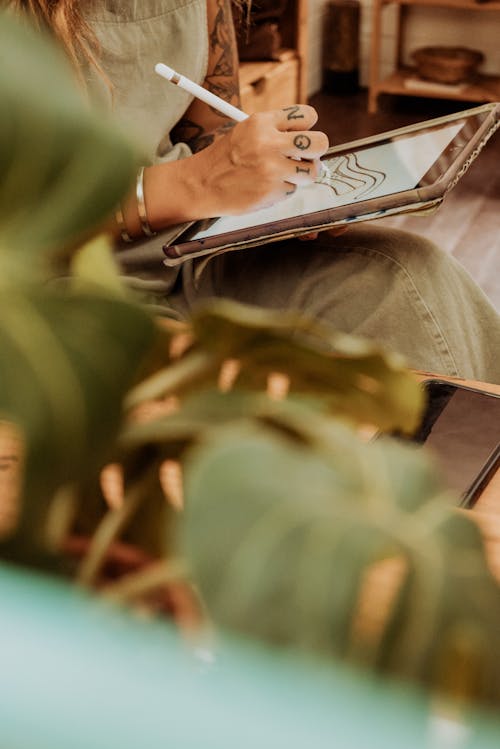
[
  {"x": 308, "y": 513},
  {"x": 69, "y": 352},
  {"x": 287, "y": 507}
]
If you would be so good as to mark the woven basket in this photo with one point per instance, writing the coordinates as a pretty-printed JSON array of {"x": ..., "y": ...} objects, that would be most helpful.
[{"x": 447, "y": 64}]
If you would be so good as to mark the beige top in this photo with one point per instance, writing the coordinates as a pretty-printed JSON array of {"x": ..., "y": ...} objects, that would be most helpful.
[{"x": 134, "y": 35}]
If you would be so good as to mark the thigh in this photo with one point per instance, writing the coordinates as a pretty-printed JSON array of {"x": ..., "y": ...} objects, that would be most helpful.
[{"x": 387, "y": 285}]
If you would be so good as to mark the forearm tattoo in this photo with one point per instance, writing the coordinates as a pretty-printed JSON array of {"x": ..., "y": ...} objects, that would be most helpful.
[
  {"x": 221, "y": 79},
  {"x": 195, "y": 136}
]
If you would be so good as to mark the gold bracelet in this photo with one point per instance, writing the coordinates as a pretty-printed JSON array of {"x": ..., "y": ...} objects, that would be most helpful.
[
  {"x": 120, "y": 221},
  {"x": 141, "y": 205}
]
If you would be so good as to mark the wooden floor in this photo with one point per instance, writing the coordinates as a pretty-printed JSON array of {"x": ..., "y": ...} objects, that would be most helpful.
[{"x": 467, "y": 225}]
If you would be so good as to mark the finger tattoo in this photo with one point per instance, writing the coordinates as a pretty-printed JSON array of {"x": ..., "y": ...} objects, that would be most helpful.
[
  {"x": 302, "y": 142},
  {"x": 293, "y": 113},
  {"x": 305, "y": 170}
]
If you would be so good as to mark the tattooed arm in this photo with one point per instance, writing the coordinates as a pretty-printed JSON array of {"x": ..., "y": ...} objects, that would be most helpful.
[
  {"x": 202, "y": 124},
  {"x": 235, "y": 167}
]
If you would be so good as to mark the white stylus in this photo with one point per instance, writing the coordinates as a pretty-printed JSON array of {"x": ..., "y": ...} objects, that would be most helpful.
[
  {"x": 200, "y": 93},
  {"x": 215, "y": 101}
]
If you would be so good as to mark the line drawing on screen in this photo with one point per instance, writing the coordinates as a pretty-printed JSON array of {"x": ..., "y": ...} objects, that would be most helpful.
[{"x": 346, "y": 174}]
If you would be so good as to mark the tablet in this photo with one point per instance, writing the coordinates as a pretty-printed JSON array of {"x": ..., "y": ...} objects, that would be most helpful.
[{"x": 409, "y": 169}]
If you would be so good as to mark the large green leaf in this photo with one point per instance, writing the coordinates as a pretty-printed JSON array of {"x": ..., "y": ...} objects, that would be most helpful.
[
  {"x": 68, "y": 354},
  {"x": 67, "y": 360},
  {"x": 281, "y": 536},
  {"x": 62, "y": 167},
  {"x": 352, "y": 376},
  {"x": 306, "y": 419}
]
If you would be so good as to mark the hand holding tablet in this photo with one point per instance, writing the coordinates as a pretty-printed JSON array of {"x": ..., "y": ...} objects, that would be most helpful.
[{"x": 408, "y": 169}]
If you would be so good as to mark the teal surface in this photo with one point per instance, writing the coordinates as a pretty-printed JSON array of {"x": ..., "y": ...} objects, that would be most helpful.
[{"x": 76, "y": 674}]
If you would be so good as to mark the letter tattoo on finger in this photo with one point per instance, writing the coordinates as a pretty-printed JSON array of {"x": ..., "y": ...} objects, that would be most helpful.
[
  {"x": 305, "y": 170},
  {"x": 293, "y": 113},
  {"x": 302, "y": 142}
]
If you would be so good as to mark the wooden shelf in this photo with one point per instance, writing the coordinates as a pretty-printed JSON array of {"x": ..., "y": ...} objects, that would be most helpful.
[
  {"x": 485, "y": 88},
  {"x": 270, "y": 84},
  {"x": 252, "y": 71}
]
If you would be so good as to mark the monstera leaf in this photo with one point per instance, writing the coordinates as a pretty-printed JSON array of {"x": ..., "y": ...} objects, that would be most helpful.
[
  {"x": 352, "y": 377},
  {"x": 68, "y": 352},
  {"x": 66, "y": 363},
  {"x": 304, "y": 528},
  {"x": 62, "y": 167},
  {"x": 328, "y": 373}
]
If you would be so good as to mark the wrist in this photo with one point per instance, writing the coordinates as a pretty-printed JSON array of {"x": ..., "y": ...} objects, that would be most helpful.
[
  {"x": 168, "y": 194},
  {"x": 172, "y": 193},
  {"x": 132, "y": 221}
]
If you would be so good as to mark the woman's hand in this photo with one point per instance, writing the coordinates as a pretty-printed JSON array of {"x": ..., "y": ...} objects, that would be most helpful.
[{"x": 259, "y": 162}]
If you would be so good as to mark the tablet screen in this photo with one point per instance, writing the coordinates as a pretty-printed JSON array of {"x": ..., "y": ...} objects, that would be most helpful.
[{"x": 396, "y": 163}]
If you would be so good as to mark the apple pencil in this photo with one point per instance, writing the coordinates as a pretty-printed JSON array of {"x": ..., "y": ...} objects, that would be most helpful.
[
  {"x": 200, "y": 93},
  {"x": 214, "y": 101}
]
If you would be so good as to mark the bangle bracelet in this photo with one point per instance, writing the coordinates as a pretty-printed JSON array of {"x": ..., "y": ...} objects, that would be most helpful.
[
  {"x": 141, "y": 205},
  {"x": 120, "y": 221}
]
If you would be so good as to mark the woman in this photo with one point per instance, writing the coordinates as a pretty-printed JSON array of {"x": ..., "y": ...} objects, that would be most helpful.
[{"x": 390, "y": 286}]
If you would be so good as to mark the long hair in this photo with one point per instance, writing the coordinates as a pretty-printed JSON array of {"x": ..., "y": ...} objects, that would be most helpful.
[{"x": 66, "y": 22}]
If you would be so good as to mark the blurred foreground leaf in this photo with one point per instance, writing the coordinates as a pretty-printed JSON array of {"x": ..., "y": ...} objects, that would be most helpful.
[
  {"x": 352, "y": 377},
  {"x": 62, "y": 168},
  {"x": 282, "y": 537},
  {"x": 67, "y": 361}
]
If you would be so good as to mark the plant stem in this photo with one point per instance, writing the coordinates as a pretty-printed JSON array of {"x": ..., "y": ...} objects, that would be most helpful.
[
  {"x": 145, "y": 581},
  {"x": 168, "y": 380},
  {"x": 60, "y": 516},
  {"x": 110, "y": 527}
]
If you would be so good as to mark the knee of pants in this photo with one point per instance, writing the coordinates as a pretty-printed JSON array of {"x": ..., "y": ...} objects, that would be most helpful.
[{"x": 407, "y": 249}]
